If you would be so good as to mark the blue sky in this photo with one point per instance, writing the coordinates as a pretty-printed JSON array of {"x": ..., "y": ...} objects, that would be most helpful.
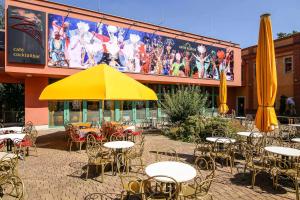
[{"x": 231, "y": 20}]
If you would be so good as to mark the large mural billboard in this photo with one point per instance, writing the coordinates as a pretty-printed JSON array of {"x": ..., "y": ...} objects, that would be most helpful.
[{"x": 76, "y": 43}]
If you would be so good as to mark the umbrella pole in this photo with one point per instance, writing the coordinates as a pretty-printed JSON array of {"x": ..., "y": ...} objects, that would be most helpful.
[{"x": 102, "y": 105}]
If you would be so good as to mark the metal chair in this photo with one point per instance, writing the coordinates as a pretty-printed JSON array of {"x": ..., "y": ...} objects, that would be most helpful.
[
  {"x": 97, "y": 156},
  {"x": 160, "y": 188}
]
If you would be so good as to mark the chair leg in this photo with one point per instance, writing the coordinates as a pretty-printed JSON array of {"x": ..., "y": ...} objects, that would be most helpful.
[
  {"x": 70, "y": 146},
  {"x": 297, "y": 188},
  {"x": 102, "y": 173},
  {"x": 253, "y": 179},
  {"x": 80, "y": 143},
  {"x": 87, "y": 171}
]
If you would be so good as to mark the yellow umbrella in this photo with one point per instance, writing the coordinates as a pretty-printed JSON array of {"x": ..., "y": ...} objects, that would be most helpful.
[
  {"x": 266, "y": 77},
  {"x": 100, "y": 82},
  {"x": 223, "y": 108}
]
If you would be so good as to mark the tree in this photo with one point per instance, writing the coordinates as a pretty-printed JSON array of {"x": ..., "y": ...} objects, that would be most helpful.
[
  {"x": 1, "y": 16},
  {"x": 188, "y": 101},
  {"x": 283, "y": 35}
]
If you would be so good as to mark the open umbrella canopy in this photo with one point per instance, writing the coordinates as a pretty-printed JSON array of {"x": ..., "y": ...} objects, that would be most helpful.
[
  {"x": 223, "y": 108},
  {"x": 266, "y": 77},
  {"x": 100, "y": 82}
]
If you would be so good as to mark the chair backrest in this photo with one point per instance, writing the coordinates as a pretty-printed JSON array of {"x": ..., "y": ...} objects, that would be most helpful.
[
  {"x": 169, "y": 155},
  {"x": 160, "y": 187},
  {"x": 218, "y": 132},
  {"x": 1, "y": 125},
  {"x": 222, "y": 145},
  {"x": 27, "y": 128},
  {"x": 205, "y": 163},
  {"x": 117, "y": 136}
]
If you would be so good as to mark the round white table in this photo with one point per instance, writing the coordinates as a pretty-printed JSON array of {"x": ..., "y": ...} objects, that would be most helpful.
[
  {"x": 294, "y": 125},
  {"x": 220, "y": 139},
  {"x": 240, "y": 117},
  {"x": 248, "y": 134},
  {"x": 7, "y": 156},
  {"x": 118, "y": 145},
  {"x": 16, "y": 129},
  {"x": 181, "y": 172},
  {"x": 296, "y": 140},
  {"x": 284, "y": 151}
]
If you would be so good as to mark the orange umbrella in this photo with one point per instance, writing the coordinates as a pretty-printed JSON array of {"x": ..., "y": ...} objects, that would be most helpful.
[
  {"x": 223, "y": 108},
  {"x": 266, "y": 77}
]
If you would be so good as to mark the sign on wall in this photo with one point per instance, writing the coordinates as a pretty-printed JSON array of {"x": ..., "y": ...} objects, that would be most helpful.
[
  {"x": 75, "y": 43},
  {"x": 26, "y": 36}
]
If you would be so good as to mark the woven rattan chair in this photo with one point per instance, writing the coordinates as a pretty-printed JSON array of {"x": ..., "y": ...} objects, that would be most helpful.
[{"x": 134, "y": 155}]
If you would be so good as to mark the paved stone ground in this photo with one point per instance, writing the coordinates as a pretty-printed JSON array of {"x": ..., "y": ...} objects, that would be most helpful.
[{"x": 57, "y": 173}]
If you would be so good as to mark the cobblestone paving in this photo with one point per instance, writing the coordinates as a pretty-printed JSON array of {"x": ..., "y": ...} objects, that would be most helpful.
[{"x": 57, "y": 173}]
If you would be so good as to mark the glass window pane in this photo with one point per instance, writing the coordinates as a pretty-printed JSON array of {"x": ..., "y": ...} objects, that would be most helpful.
[
  {"x": 109, "y": 110},
  {"x": 126, "y": 110},
  {"x": 75, "y": 109},
  {"x": 140, "y": 109},
  {"x": 56, "y": 113},
  {"x": 93, "y": 111}
]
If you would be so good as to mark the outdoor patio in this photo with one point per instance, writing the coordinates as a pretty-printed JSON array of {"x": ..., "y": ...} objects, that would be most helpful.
[{"x": 57, "y": 173}]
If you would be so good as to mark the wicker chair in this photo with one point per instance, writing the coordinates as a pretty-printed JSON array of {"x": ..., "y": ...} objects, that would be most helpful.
[
  {"x": 219, "y": 132},
  {"x": 160, "y": 188},
  {"x": 27, "y": 128},
  {"x": 205, "y": 164},
  {"x": 97, "y": 156}
]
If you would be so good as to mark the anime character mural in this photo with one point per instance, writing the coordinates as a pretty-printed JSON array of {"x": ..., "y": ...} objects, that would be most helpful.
[{"x": 76, "y": 43}]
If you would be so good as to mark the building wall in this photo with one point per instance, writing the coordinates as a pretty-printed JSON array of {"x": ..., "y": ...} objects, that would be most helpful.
[
  {"x": 287, "y": 83},
  {"x": 36, "y": 77},
  {"x": 35, "y": 111}
]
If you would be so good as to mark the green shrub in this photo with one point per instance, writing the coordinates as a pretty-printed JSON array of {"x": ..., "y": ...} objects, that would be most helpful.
[
  {"x": 188, "y": 101},
  {"x": 199, "y": 126}
]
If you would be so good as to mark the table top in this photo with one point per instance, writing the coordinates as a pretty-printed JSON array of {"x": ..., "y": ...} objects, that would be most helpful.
[
  {"x": 220, "y": 139},
  {"x": 248, "y": 133},
  {"x": 17, "y": 129},
  {"x": 118, "y": 144},
  {"x": 285, "y": 151},
  {"x": 4, "y": 155},
  {"x": 240, "y": 117},
  {"x": 295, "y": 140},
  {"x": 295, "y": 125},
  {"x": 181, "y": 172},
  {"x": 12, "y": 136},
  {"x": 129, "y": 128}
]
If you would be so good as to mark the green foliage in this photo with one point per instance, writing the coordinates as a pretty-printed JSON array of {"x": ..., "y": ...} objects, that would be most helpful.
[
  {"x": 198, "y": 126},
  {"x": 283, "y": 35},
  {"x": 187, "y": 101}
]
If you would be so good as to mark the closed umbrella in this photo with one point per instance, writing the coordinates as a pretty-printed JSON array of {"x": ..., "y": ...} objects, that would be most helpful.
[
  {"x": 223, "y": 108},
  {"x": 266, "y": 77}
]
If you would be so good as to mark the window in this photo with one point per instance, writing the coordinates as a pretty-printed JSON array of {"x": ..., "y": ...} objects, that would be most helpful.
[{"x": 288, "y": 64}]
